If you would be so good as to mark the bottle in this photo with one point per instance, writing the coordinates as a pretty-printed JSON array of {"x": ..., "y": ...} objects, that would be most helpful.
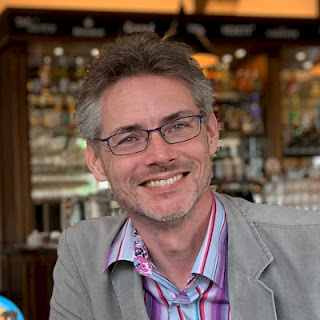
[
  {"x": 227, "y": 165},
  {"x": 248, "y": 80},
  {"x": 80, "y": 72},
  {"x": 255, "y": 158},
  {"x": 292, "y": 85},
  {"x": 63, "y": 82},
  {"x": 315, "y": 89},
  {"x": 226, "y": 79},
  {"x": 64, "y": 114},
  {"x": 247, "y": 120},
  {"x": 73, "y": 80},
  {"x": 257, "y": 164},
  {"x": 45, "y": 75},
  {"x": 256, "y": 113},
  {"x": 219, "y": 80},
  {"x": 256, "y": 80},
  {"x": 247, "y": 170},
  {"x": 54, "y": 77},
  {"x": 294, "y": 117},
  {"x": 238, "y": 165},
  {"x": 218, "y": 173},
  {"x": 33, "y": 84},
  {"x": 240, "y": 80},
  {"x": 72, "y": 113}
]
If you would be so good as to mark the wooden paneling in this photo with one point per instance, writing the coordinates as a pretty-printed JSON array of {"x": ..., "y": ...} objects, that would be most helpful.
[
  {"x": 16, "y": 206},
  {"x": 29, "y": 281}
]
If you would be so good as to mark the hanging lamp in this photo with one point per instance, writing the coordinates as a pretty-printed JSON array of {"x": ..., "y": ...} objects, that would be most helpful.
[{"x": 194, "y": 36}]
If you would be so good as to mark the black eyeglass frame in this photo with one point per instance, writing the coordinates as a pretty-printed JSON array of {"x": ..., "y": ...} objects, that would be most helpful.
[{"x": 148, "y": 131}]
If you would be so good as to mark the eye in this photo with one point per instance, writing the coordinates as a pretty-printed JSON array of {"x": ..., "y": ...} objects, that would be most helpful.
[
  {"x": 178, "y": 126},
  {"x": 128, "y": 138}
]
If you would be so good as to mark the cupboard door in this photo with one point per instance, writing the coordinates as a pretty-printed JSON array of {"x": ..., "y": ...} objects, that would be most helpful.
[{"x": 16, "y": 207}]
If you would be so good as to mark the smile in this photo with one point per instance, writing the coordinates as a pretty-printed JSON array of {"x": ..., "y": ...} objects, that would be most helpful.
[{"x": 162, "y": 183}]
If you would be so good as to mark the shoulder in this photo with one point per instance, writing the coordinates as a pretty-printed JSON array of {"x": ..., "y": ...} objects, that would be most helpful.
[
  {"x": 91, "y": 237},
  {"x": 263, "y": 214},
  {"x": 97, "y": 226}
]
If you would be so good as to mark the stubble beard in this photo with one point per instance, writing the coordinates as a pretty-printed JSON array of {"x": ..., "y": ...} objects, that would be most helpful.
[{"x": 182, "y": 211}]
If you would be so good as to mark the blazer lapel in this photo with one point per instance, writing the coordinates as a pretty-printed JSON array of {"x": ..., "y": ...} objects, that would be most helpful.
[
  {"x": 127, "y": 285},
  {"x": 248, "y": 258}
]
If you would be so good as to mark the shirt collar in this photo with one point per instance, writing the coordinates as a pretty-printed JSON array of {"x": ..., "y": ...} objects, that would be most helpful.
[
  {"x": 211, "y": 259},
  {"x": 214, "y": 246},
  {"x": 122, "y": 247}
]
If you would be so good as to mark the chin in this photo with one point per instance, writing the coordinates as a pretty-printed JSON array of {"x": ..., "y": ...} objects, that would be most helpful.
[
  {"x": 164, "y": 214},
  {"x": 164, "y": 218}
]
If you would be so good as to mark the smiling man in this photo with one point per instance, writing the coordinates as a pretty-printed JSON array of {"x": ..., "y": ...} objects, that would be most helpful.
[{"x": 179, "y": 251}]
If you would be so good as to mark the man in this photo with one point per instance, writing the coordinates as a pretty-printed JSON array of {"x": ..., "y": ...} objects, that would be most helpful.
[{"x": 180, "y": 251}]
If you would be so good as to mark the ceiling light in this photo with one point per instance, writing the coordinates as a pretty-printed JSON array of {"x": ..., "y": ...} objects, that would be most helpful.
[
  {"x": 47, "y": 60},
  {"x": 240, "y": 53},
  {"x": 193, "y": 35},
  {"x": 307, "y": 65},
  {"x": 79, "y": 60},
  {"x": 227, "y": 58},
  {"x": 94, "y": 52},
  {"x": 300, "y": 56},
  {"x": 58, "y": 51}
]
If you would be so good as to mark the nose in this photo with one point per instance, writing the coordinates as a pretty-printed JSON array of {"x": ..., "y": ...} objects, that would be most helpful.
[{"x": 159, "y": 151}]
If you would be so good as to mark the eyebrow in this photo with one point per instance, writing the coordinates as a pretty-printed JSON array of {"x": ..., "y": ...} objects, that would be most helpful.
[
  {"x": 136, "y": 126},
  {"x": 177, "y": 115}
]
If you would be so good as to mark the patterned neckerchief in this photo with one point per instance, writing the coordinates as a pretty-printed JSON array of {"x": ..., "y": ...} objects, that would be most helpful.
[{"x": 141, "y": 260}]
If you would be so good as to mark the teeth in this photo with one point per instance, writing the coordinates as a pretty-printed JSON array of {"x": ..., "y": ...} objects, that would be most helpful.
[{"x": 162, "y": 183}]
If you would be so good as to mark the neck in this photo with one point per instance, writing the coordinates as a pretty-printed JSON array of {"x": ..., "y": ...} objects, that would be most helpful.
[{"x": 174, "y": 247}]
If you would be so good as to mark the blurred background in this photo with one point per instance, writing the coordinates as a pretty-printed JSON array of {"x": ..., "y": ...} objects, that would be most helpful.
[{"x": 262, "y": 59}]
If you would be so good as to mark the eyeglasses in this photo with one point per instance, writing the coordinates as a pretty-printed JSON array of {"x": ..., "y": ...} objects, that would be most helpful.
[{"x": 176, "y": 131}]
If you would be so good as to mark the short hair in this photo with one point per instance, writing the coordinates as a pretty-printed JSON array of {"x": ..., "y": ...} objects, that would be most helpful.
[{"x": 133, "y": 55}]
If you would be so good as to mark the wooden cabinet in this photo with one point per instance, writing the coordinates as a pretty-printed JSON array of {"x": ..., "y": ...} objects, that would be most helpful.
[
  {"x": 29, "y": 279},
  {"x": 16, "y": 204}
]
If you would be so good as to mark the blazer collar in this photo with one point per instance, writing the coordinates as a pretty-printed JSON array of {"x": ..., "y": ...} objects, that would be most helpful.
[
  {"x": 246, "y": 249},
  {"x": 248, "y": 258},
  {"x": 127, "y": 284}
]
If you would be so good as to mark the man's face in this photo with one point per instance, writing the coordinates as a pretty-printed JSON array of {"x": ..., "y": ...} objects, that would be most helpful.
[{"x": 147, "y": 102}]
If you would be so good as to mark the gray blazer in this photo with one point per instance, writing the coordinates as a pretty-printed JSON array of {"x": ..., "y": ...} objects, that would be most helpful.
[{"x": 273, "y": 267}]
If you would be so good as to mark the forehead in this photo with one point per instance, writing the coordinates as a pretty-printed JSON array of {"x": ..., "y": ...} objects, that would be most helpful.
[{"x": 144, "y": 100}]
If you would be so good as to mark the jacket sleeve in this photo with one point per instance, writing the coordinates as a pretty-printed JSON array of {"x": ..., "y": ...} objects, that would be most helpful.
[{"x": 70, "y": 299}]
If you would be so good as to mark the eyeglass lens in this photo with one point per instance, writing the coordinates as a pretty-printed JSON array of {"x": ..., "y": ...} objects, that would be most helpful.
[{"x": 179, "y": 130}]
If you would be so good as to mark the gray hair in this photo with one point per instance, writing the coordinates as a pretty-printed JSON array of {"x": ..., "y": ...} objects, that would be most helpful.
[{"x": 138, "y": 54}]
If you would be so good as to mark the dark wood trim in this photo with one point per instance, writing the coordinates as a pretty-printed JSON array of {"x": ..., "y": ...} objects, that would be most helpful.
[
  {"x": 15, "y": 200},
  {"x": 30, "y": 23}
]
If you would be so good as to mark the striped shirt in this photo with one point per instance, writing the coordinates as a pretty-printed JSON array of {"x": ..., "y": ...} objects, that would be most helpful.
[{"x": 206, "y": 295}]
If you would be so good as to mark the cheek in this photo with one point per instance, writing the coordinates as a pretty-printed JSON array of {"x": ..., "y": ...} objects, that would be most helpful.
[
  {"x": 199, "y": 154},
  {"x": 119, "y": 170},
  {"x": 206, "y": 146}
]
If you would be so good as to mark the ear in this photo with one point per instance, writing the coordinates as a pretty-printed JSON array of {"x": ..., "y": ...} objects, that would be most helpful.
[
  {"x": 213, "y": 133},
  {"x": 95, "y": 164}
]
